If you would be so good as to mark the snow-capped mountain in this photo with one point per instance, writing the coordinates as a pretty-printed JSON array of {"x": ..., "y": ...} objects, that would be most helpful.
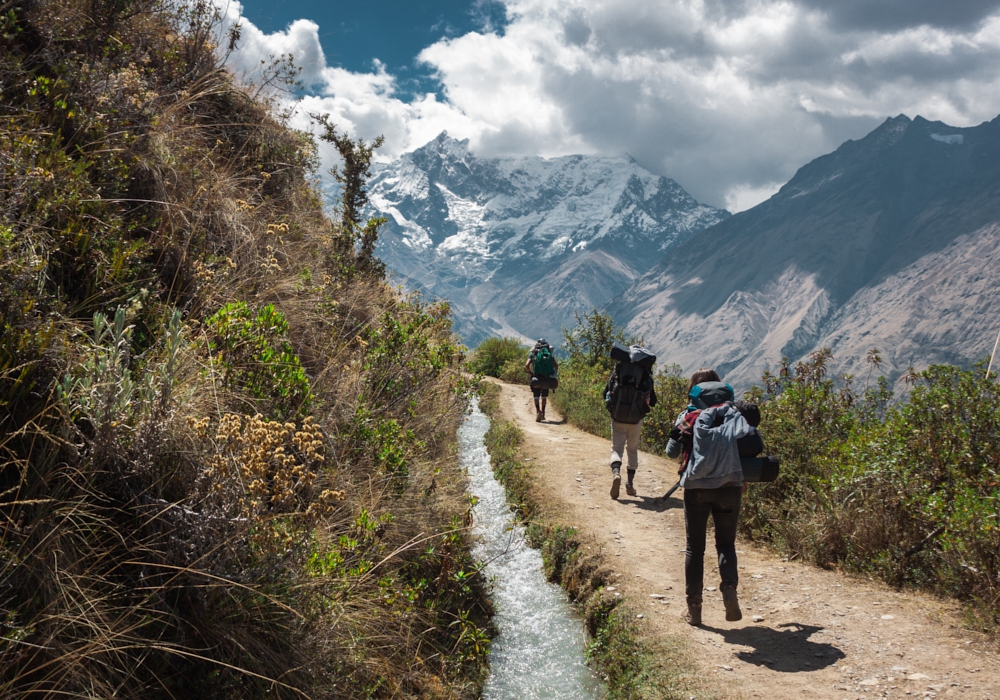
[
  {"x": 891, "y": 241},
  {"x": 519, "y": 244}
]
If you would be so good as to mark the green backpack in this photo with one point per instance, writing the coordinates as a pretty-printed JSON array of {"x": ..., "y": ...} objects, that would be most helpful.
[{"x": 543, "y": 366}]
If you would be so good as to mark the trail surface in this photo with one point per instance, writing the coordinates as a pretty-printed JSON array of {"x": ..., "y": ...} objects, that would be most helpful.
[{"x": 821, "y": 634}]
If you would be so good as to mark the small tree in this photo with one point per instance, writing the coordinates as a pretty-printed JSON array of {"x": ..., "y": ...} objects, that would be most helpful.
[
  {"x": 353, "y": 176},
  {"x": 589, "y": 341}
]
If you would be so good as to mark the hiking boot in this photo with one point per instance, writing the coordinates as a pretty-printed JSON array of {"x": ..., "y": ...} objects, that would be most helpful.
[
  {"x": 616, "y": 481},
  {"x": 538, "y": 416},
  {"x": 629, "y": 486},
  {"x": 732, "y": 603},
  {"x": 693, "y": 614},
  {"x": 543, "y": 414}
]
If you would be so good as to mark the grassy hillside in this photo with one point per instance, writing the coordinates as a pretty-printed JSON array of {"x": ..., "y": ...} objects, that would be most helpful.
[{"x": 226, "y": 444}]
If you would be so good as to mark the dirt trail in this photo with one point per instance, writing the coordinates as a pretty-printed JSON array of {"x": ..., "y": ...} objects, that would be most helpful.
[{"x": 821, "y": 634}]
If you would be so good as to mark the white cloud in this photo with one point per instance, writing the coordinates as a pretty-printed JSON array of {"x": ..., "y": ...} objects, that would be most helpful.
[{"x": 728, "y": 98}]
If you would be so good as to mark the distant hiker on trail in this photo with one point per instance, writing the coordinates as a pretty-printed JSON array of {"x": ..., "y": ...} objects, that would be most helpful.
[
  {"x": 543, "y": 367},
  {"x": 628, "y": 395},
  {"x": 707, "y": 435}
]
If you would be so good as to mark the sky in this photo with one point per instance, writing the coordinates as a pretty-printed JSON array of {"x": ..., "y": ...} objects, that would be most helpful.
[{"x": 727, "y": 97}]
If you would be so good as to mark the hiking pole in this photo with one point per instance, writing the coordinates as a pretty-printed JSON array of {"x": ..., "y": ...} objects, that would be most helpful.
[
  {"x": 992, "y": 355},
  {"x": 673, "y": 488}
]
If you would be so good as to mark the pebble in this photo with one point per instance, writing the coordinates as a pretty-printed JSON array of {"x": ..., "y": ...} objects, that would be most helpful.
[
  {"x": 726, "y": 668},
  {"x": 869, "y": 681},
  {"x": 758, "y": 618},
  {"x": 888, "y": 617},
  {"x": 917, "y": 677},
  {"x": 639, "y": 616},
  {"x": 657, "y": 596},
  {"x": 709, "y": 588}
]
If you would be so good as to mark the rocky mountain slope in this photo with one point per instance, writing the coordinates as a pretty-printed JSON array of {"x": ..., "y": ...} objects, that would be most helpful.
[
  {"x": 892, "y": 241},
  {"x": 519, "y": 244}
]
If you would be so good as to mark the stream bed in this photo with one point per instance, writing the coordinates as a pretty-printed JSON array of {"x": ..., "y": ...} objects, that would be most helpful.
[{"x": 539, "y": 648}]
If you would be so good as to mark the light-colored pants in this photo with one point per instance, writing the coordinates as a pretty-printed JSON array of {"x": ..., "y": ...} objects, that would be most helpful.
[{"x": 625, "y": 436}]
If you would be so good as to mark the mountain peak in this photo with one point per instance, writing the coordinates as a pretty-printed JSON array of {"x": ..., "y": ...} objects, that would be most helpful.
[
  {"x": 485, "y": 232},
  {"x": 445, "y": 145}
]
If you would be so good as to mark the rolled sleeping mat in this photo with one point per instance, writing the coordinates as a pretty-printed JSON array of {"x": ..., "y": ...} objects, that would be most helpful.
[
  {"x": 551, "y": 382},
  {"x": 756, "y": 469}
]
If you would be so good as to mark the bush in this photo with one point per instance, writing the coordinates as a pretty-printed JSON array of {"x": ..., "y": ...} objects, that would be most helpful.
[
  {"x": 496, "y": 357},
  {"x": 906, "y": 492}
]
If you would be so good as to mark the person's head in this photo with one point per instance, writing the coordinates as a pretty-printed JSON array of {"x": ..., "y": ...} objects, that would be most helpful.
[
  {"x": 704, "y": 374},
  {"x": 542, "y": 342}
]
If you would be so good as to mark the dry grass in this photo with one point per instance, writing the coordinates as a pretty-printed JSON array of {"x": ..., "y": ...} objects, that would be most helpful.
[{"x": 188, "y": 508}]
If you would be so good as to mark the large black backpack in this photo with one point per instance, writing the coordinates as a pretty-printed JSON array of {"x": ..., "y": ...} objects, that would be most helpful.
[{"x": 630, "y": 387}]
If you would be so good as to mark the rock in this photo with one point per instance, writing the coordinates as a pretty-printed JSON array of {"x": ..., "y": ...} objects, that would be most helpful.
[
  {"x": 726, "y": 668},
  {"x": 869, "y": 681},
  {"x": 758, "y": 618},
  {"x": 657, "y": 596},
  {"x": 710, "y": 588},
  {"x": 757, "y": 576},
  {"x": 899, "y": 669},
  {"x": 639, "y": 616},
  {"x": 917, "y": 677},
  {"x": 937, "y": 688},
  {"x": 888, "y": 617}
]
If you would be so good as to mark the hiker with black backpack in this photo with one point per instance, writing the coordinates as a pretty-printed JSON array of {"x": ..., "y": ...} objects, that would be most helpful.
[
  {"x": 628, "y": 395},
  {"x": 543, "y": 367},
  {"x": 707, "y": 437}
]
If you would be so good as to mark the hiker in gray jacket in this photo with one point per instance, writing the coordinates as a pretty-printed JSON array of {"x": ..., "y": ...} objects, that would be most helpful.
[{"x": 712, "y": 478}]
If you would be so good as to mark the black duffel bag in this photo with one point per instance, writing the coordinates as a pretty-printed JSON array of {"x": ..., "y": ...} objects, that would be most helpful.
[
  {"x": 756, "y": 469},
  {"x": 551, "y": 382}
]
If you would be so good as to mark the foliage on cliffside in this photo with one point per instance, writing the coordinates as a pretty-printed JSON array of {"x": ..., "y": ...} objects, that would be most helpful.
[{"x": 226, "y": 444}]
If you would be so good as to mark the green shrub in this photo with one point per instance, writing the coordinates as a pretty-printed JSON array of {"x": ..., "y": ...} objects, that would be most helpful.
[
  {"x": 257, "y": 356},
  {"x": 493, "y": 356},
  {"x": 907, "y": 492},
  {"x": 513, "y": 372}
]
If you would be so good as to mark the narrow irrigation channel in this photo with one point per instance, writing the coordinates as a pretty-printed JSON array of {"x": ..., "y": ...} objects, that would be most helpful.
[{"x": 539, "y": 649}]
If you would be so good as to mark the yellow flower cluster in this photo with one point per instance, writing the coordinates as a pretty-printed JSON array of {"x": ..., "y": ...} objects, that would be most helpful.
[
  {"x": 277, "y": 228},
  {"x": 266, "y": 466}
]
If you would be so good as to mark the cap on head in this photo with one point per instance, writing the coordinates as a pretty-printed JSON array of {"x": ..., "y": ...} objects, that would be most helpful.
[{"x": 542, "y": 341}]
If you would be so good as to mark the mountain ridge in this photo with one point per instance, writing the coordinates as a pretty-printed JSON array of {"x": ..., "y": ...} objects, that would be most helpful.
[
  {"x": 786, "y": 277},
  {"x": 492, "y": 234}
]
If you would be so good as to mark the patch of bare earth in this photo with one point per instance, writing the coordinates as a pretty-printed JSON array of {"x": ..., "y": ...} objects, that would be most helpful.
[{"x": 805, "y": 632}]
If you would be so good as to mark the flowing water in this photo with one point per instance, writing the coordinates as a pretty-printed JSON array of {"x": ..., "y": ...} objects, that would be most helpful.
[{"x": 539, "y": 649}]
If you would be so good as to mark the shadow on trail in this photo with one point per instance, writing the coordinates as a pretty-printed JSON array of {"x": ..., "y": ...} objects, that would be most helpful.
[
  {"x": 654, "y": 504},
  {"x": 783, "y": 650}
]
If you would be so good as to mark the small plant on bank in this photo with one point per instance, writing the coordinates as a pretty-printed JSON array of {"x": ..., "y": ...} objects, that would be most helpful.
[{"x": 496, "y": 357}]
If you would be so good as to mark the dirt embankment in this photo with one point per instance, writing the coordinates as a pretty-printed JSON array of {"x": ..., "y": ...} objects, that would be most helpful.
[{"x": 805, "y": 632}]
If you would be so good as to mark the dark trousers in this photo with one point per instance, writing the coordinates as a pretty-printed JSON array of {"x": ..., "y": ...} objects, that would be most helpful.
[{"x": 723, "y": 504}]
